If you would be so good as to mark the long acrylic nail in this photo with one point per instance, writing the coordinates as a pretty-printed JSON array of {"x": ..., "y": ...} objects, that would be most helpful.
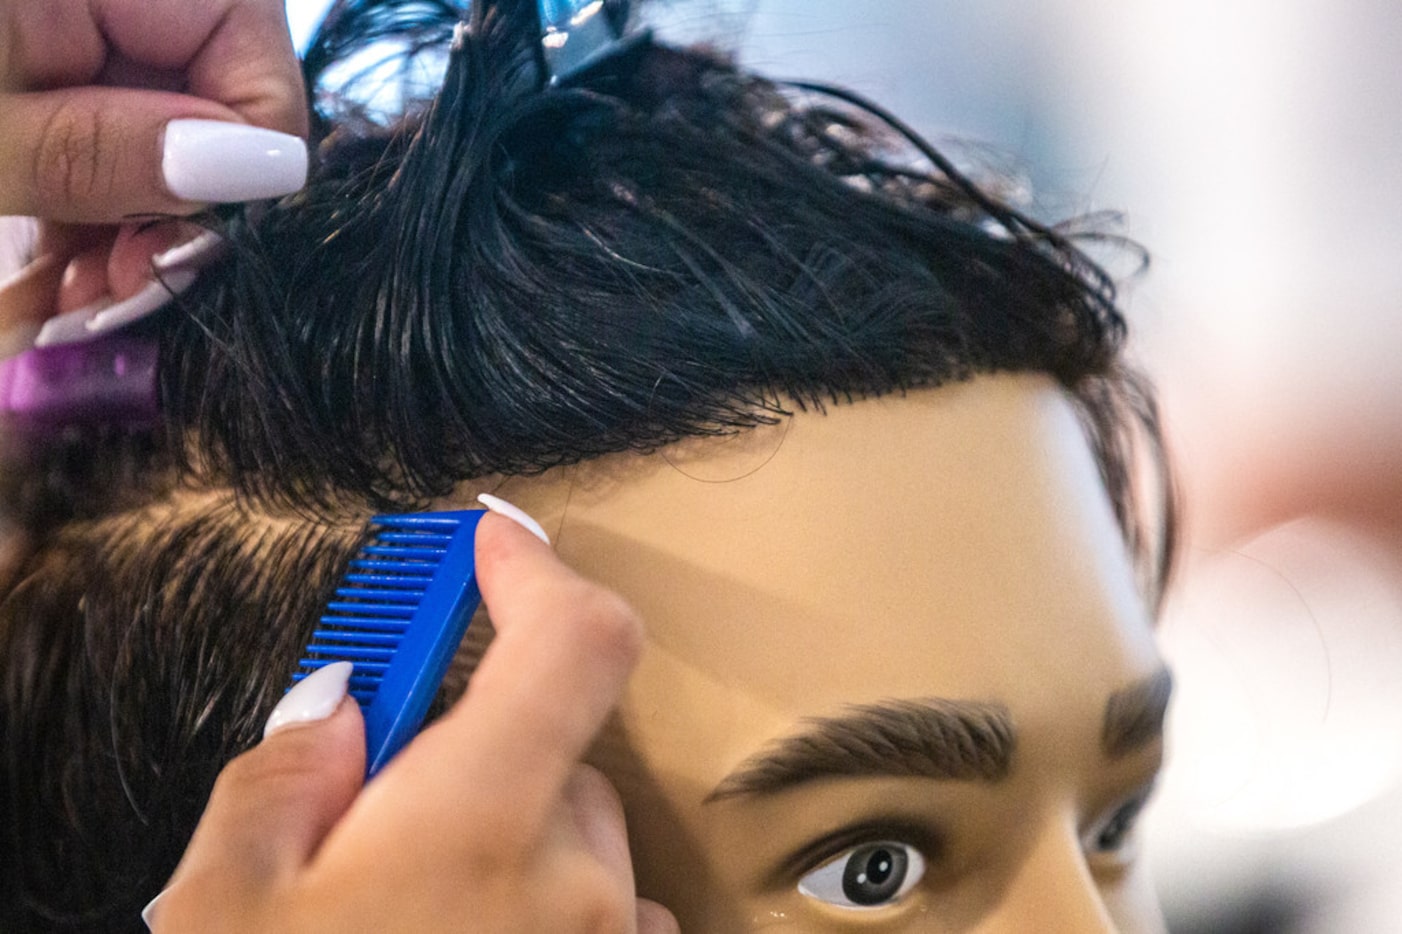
[
  {"x": 148, "y": 914},
  {"x": 515, "y": 513},
  {"x": 211, "y": 160},
  {"x": 147, "y": 302},
  {"x": 193, "y": 254},
  {"x": 315, "y": 697},
  {"x": 71, "y": 327},
  {"x": 106, "y": 316}
]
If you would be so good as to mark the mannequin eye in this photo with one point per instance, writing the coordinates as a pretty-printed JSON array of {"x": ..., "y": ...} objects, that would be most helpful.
[
  {"x": 1113, "y": 836},
  {"x": 868, "y": 876}
]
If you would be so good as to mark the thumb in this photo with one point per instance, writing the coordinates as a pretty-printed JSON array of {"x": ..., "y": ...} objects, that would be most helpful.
[
  {"x": 272, "y": 806},
  {"x": 99, "y": 154}
]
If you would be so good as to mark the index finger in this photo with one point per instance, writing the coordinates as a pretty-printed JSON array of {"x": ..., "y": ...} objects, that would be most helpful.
[{"x": 564, "y": 649}]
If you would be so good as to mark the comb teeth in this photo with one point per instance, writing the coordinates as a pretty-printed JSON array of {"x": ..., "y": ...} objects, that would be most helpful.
[
  {"x": 361, "y": 624},
  {"x": 399, "y": 615},
  {"x": 367, "y": 620}
]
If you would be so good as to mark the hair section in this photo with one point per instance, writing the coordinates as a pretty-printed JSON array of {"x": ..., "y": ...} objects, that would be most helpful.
[{"x": 511, "y": 278}]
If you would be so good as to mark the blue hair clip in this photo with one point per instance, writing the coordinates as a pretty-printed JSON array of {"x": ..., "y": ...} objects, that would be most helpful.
[{"x": 576, "y": 35}]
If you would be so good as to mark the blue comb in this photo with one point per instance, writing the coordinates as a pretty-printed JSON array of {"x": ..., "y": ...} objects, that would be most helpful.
[{"x": 399, "y": 617}]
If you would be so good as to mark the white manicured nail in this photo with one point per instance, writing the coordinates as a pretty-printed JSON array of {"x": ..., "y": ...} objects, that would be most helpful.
[
  {"x": 144, "y": 303},
  {"x": 515, "y": 513},
  {"x": 194, "y": 254},
  {"x": 105, "y": 316},
  {"x": 210, "y": 160},
  {"x": 315, "y": 697},
  {"x": 177, "y": 269},
  {"x": 148, "y": 914},
  {"x": 71, "y": 327}
]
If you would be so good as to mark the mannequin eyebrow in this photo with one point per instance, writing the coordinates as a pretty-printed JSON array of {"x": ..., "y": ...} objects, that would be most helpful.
[
  {"x": 1134, "y": 716},
  {"x": 922, "y": 738}
]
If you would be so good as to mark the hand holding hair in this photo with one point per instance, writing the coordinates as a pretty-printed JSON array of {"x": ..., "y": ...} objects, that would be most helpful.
[
  {"x": 114, "y": 109},
  {"x": 89, "y": 90},
  {"x": 487, "y": 821}
]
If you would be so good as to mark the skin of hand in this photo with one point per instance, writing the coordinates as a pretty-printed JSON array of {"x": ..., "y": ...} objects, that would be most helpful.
[
  {"x": 88, "y": 86},
  {"x": 87, "y": 89},
  {"x": 487, "y": 821}
]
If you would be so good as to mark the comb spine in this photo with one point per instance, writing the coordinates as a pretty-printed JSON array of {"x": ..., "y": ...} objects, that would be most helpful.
[{"x": 431, "y": 638}]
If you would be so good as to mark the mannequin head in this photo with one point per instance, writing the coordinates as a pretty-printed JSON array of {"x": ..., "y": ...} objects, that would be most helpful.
[
  {"x": 848, "y": 432},
  {"x": 900, "y": 622}
]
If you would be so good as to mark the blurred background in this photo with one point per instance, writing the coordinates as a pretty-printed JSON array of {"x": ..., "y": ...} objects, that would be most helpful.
[{"x": 1255, "y": 148}]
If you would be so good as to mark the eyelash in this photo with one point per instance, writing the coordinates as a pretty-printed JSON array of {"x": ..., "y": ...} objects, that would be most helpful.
[
  {"x": 1110, "y": 842},
  {"x": 866, "y": 877},
  {"x": 1109, "y": 845},
  {"x": 834, "y": 850}
]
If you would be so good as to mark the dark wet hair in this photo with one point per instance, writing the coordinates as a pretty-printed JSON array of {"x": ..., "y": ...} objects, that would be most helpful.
[
  {"x": 498, "y": 280},
  {"x": 516, "y": 279}
]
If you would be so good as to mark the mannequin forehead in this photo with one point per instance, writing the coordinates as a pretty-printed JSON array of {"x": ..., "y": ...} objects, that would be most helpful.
[
  {"x": 949, "y": 545},
  {"x": 937, "y": 543}
]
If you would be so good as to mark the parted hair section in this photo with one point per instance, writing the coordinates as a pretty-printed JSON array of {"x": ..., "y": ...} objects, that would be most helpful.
[{"x": 508, "y": 278}]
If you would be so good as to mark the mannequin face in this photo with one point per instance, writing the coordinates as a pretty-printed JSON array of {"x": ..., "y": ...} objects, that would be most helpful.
[{"x": 945, "y": 562}]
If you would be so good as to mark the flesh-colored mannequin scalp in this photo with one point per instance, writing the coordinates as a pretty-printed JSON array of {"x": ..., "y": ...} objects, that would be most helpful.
[{"x": 811, "y": 591}]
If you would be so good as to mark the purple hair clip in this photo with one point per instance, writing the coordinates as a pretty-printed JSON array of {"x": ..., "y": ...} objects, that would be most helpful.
[
  {"x": 81, "y": 369},
  {"x": 111, "y": 380}
]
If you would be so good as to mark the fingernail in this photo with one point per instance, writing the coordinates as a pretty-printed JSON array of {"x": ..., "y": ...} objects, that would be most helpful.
[
  {"x": 210, "y": 160},
  {"x": 106, "y": 316},
  {"x": 148, "y": 914},
  {"x": 70, "y": 327},
  {"x": 144, "y": 303},
  {"x": 176, "y": 269},
  {"x": 194, "y": 254},
  {"x": 515, "y": 513},
  {"x": 315, "y": 697}
]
